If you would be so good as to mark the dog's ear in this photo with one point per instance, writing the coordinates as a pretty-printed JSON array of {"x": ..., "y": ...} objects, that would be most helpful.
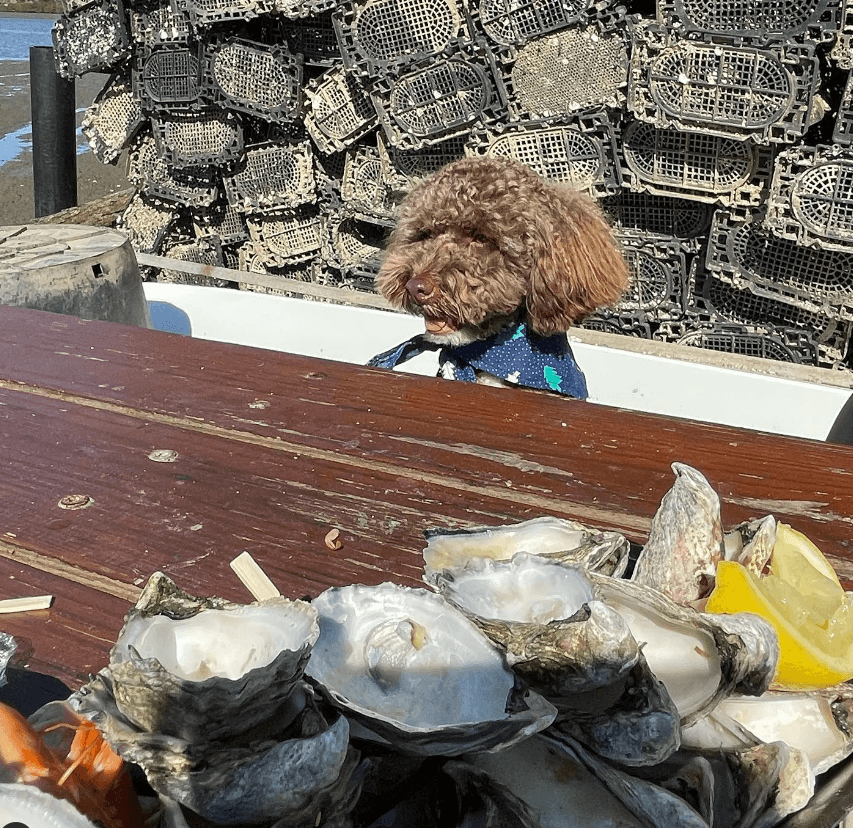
[{"x": 577, "y": 263}]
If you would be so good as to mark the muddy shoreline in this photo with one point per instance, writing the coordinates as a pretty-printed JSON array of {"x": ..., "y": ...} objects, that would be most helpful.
[{"x": 94, "y": 179}]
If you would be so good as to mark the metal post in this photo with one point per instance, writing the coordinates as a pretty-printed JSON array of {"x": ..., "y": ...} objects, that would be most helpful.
[{"x": 54, "y": 141}]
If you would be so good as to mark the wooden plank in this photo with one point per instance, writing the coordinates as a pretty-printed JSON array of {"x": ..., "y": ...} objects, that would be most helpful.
[{"x": 71, "y": 640}]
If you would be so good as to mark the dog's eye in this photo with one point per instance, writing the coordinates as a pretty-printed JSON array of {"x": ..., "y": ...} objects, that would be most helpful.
[
  {"x": 424, "y": 234},
  {"x": 479, "y": 237}
]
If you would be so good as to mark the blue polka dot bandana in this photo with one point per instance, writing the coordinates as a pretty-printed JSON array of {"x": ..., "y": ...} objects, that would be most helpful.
[{"x": 515, "y": 354}]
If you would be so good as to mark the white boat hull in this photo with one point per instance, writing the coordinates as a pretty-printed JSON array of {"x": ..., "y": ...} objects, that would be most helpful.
[{"x": 640, "y": 375}]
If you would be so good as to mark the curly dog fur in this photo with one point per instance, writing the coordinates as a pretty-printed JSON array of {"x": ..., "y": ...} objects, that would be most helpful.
[{"x": 486, "y": 240}]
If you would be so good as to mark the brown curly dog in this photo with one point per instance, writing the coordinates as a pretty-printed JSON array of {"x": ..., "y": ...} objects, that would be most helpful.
[{"x": 486, "y": 241}]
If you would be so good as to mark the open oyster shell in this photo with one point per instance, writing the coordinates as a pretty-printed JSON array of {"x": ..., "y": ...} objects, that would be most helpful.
[
  {"x": 685, "y": 540},
  {"x": 300, "y": 767},
  {"x": 204, "y": 669},
  {"x": 414, "y": 670},
  {"x": 604, "y": 552}
]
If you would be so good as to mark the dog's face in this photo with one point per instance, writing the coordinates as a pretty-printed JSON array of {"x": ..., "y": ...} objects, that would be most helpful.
[{"x": 486, "y": 240}]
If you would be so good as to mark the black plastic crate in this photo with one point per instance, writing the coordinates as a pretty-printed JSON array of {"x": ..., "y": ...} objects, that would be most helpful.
[
  {"x": 161, "y": 26},
  {"x": 401, "y": 167},
  {"x": 761, "y": 342},
  {"x": 167, "y": 78},
  {"x": 93, "y": 37},
  {"x": 747, "y": 255},
  {"x": 314, "y": 38},
  {"x": 222, "y": 222},
  {"x": 146, "y": 221},
  {"x": 302, "y": 9},
  {"x": 366, "y": 191},
  {"x": 842, "y": 134},
  {"x": 765, "y": 94},
  {"x": 112, "y": 120},
  {"x": 816, "y": 20},
  {"x": 339, "y": 110},
  {"x": 658, "y": 276},
  {"x": 204, "y": 13},
  {"x": 264, "y": 81},
  {"x": 438, "y": 99},
  {"x": 636, "y": 325},
  {"x": 694, "y": 165},
  {"x": 677, "y": 217},
  {"x": 287, "y": 237},
  {"x": 149, "y": 171},
  {"x": 579, "y": 150},
  {"x": 354, "y": 246},
  {"x": 713, "y": 300},
  {"x": 199, "y": 138},
  {"x": 199, "y": 251},
  {"x": 576, "y": 68},
  {"x": 841, "y": 50},
  {"x": 811, "y": 197},
  {"x": 515, "y": 22},
  {"x": 270, "y": 177},
  {"x": 381, "y": 37}
]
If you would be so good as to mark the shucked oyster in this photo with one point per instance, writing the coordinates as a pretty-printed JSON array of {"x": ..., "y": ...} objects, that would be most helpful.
[
  {"x": 551, "y": 537},
  {"x": 417, "y": 672},
  {"x": 205, "y": 668}
]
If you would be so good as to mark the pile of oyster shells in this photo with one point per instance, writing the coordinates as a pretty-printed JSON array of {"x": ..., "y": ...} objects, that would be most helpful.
[{"x": 531, "y": 684}]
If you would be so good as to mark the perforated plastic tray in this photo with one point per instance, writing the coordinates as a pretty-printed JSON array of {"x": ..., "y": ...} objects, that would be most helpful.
[
  {"x": 353, "y": 246},
  {"x": 811, "y": 197},
  {"x": 514, "y": 22},
  {"x": 146, "y": 221},
  {"x": 747, "y": 255},
  {"x": 379, "y": 37},
  {"x": 149, "y": 171},
  {"x": 712, "y": 301},
  {"x": 287, "y": 237},
  {"x": 841, "y": 50},
  {"x": 339, "y": 110},
  {"x": 167, "y": 78},
  {"x": 264, "y": 81},
  {"x": 296, "y": 9},
  {"x": 204, "y": 13},
  {"x": 401, "y": 166},
  {"x": 763, "y": 342},
  {"x": 201, "y": 251},
  {"x": 160, "y": 26},
  {"x": 435, "y": 100},
  {"x": 754, "y": 19},
  {"x": 221, "y": 221},
  {"x": 842, "y": 134},
  {"x": 203, "y": 137},
  {"x": 696, "y": 166},
  {"x": 624, "y": 325},
  {"x": 271, "y": 177},
  {"x": 93, "y": 37},
  {"x": 579, "y": 150},
  {"x": 658, "y": 268},
  {"x": 366, "y": 192},
  {"x": 314, "y": 38},
  {"x": 677, "y": 217},
  {"x": 112, "y": 120},
  {"x": 576, "y": 68},
  {"x": 720, "y": 88}
]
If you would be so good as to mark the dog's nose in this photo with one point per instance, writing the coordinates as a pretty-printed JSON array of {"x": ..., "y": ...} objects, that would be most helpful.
[{"x": 420, "y": 288}]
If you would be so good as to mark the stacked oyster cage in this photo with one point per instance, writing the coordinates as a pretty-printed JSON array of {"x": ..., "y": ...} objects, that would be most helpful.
[{"x": 278, "y": 136}]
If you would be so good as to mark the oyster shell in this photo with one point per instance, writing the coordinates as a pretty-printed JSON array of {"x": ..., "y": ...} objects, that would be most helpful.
[
  {"x": 551, "y": 537},
  {"x": 700, "y": 657},
  {"x": 414, "y": 670},
  {"x": 8, "y": 646},
  {"x": 300, "y": 768},
  {"x": 751, "y": 543},
  {"x": 204, "y": 669},
  {"x": 685, "y": 540}
]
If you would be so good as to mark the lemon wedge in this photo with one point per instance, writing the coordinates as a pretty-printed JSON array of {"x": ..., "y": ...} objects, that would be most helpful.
[
  {"x": 815, "y": 651},
  {"x": 791, "y": 549}
]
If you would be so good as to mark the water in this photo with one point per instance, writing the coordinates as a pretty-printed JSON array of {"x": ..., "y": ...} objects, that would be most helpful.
[{"x": 17, "y": 34}]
